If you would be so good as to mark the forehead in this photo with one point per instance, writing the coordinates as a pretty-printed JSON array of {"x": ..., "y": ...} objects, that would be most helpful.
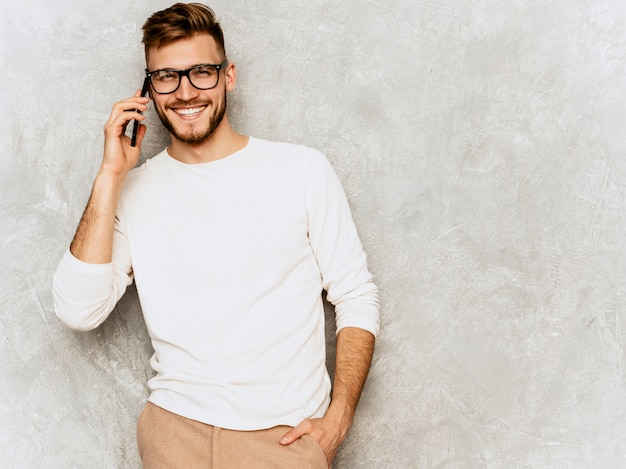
[{"x": 184, "y": 53}]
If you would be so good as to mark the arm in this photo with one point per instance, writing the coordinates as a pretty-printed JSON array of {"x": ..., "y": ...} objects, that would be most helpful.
[
  {"x": 351, "y": 289},
  {"x": 86, "y": 285},
  {"x": 93, "y": 241},
  {"x": 355, "y": 348}
]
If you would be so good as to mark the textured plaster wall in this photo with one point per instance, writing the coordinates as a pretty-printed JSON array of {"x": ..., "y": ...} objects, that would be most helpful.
[{"x": 481, "y": 144}]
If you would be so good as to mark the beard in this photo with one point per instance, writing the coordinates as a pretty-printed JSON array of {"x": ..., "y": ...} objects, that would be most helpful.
[{"x": 197, "y": 136}]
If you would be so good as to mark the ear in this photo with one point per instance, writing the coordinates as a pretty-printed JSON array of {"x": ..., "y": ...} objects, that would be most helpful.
[{"x": 231, "y": 77}]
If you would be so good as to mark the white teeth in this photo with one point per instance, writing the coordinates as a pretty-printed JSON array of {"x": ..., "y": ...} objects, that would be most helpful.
[{"x": 189, "y": 112}]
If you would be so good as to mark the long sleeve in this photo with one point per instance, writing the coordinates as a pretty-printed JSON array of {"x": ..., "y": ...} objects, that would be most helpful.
[
  {"x": 85, "y": 294},
  {"x": 339, "y": 253}
]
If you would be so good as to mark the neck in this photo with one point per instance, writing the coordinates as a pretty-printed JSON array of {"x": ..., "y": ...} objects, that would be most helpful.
[{"x": 221, "y": 144}]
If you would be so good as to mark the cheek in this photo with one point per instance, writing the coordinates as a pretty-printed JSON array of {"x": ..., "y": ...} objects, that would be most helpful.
[{"x": 158, "y": 104}]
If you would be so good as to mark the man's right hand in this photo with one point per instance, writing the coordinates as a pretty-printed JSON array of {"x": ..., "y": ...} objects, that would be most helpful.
[
  {"x": 119, "y": 156},
  {"x": 93, "y": 241}
]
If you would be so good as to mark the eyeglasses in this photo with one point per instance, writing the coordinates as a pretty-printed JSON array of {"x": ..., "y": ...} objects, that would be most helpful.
[{"x": 202, "y": 77}]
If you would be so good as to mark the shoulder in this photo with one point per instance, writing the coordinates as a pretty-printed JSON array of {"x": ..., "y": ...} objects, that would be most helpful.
[
  {"x": 290, "y": 154},
  {"x": 149, "y": 167},
  {"x": 153, "y": 169},
  {"x": 140, "y": 181}
]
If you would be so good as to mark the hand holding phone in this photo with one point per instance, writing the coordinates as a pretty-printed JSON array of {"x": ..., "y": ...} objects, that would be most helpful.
[{"x": 144, "y": 91}]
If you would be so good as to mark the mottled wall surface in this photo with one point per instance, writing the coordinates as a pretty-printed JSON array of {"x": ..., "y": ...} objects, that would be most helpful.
[{"x": 481, "y": 144}]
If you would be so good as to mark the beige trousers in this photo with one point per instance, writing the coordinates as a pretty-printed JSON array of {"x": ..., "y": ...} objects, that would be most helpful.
[{"x": 169, "y": 441}]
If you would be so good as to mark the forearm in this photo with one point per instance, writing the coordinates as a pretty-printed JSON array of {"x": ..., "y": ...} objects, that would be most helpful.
[
  {"x": 93, "y": 241},
  {"x": 355, "y": 348},
  {"x": 88, "y": 281}
]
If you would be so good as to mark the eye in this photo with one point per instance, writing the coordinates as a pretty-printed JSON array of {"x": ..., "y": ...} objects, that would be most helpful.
[
  {"x": 204, "y": 71},
  {"x": 165, "y": 76}
]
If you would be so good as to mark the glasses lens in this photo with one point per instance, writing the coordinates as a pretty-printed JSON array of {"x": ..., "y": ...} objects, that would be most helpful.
[
  {"x": 203, "y": 77},
  {"x": 165, "y": 81}
]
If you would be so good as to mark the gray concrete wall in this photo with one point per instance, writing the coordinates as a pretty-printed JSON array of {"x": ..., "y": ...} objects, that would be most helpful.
[{"x": 481, "y": 144}]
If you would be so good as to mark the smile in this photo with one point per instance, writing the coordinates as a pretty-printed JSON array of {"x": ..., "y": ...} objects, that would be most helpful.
[{"x": 189, "y": 111}]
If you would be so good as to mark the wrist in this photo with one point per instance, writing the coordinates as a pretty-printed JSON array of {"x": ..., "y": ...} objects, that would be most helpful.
[
  {"x": 109, "y": 182},
  {"x": 342, "y": 415},
  {"x": 112, "y": 174}
]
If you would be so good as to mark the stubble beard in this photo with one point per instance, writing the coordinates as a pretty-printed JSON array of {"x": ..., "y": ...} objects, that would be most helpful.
[{"x": 198, "y": 136}]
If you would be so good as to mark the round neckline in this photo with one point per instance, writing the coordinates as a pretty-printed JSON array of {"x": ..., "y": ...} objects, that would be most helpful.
[{"x": 220, "y": 162}]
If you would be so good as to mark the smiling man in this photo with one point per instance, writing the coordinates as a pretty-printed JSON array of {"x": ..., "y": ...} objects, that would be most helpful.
[{"x": 230, "y": 241}]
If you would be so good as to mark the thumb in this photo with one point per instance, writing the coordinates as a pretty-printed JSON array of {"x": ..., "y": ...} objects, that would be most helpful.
[
  {"x": 295, "y": 433},
  {"x": 141, "y": 133}
]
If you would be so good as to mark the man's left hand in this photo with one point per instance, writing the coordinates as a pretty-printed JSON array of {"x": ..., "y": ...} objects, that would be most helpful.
[{"x": 329, "y": 435}]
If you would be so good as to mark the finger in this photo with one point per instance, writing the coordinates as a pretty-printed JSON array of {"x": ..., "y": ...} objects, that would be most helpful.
[
  {"x": 141, "y": 133},
  {"x": 135, "y": 104},
  {"x": 124, "y": 111},
  {"x": 116, "y": 125},
  {"x": 292, "y": 435},
  {"x": 139, "y": 105}
]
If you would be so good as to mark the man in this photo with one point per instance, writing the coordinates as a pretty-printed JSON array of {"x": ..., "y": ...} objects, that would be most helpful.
[{"x": 230, "y": 241}]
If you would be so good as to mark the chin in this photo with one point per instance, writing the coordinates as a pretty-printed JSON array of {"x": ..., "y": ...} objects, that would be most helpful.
[{"x": 195, "y": 136}]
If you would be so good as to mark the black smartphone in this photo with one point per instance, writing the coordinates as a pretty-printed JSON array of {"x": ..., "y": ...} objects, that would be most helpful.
[{"x": 144, "y": 91}]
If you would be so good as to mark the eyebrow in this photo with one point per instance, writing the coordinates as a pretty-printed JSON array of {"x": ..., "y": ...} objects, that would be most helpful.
[{"x": 172, "y": 69}]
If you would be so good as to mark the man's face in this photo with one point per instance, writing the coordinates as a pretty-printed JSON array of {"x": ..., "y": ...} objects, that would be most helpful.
[{"x": 191, "y": 115}]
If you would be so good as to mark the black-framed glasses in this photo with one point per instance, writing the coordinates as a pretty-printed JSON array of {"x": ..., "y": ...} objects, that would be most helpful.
[{"x": 203, "y": 77}]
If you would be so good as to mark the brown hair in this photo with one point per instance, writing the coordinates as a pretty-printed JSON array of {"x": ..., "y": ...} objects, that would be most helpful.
[{"x": 181, "y": 21}]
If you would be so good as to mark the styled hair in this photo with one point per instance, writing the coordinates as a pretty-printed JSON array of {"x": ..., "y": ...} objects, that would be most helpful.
[{"x": 181, "y": 21}]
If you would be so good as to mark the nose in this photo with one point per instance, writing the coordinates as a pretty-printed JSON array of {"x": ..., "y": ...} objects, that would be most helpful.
[{"x": 186, "y": 91}]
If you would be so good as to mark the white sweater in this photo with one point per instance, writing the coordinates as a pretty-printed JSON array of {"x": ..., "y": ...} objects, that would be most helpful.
[{"x": 230, "y": 259}]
